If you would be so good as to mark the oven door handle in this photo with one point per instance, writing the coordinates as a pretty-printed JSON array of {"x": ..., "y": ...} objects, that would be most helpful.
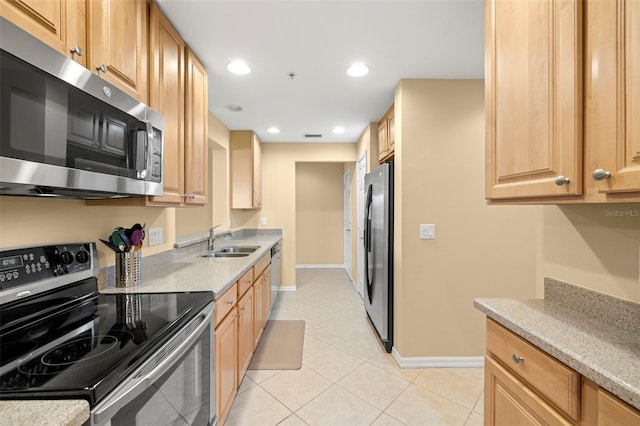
[{"x": 152, "y": 369}]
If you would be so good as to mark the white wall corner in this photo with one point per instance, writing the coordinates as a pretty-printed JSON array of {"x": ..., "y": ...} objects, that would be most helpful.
[{"x": 437, "y": 362}]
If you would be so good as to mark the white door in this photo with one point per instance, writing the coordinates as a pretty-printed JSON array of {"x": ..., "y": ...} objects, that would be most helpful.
[
  {"x": 361, "y": 171},
  {"x": 347, "y": 221}
]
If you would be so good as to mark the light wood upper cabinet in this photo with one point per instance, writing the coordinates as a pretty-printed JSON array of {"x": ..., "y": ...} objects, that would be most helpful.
[
  {"x": 549, "y": 137},
  {"x": 166, "y": 95},
  {"x": 117, "y": 44},
  {"x": 196, "y": 161},
  {"x": 386, "y": 136},
  {"x": 59, "y": 23},
  {"x": 246, "y": 170},
  {"x": 612, "y": 86},
  {"x": 533, "y": 80}
]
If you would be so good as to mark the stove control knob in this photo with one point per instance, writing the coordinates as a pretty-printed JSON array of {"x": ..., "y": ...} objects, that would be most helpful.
[
  {"x": 82, "y": 256},
  {"x": 66, "y": 257}
]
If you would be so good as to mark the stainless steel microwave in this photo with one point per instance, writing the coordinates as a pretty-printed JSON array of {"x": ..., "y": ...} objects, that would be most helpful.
[{"x": 66, "y": 132}]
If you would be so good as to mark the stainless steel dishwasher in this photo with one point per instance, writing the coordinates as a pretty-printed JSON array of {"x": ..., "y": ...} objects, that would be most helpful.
[{"x": 276, "y": 270}]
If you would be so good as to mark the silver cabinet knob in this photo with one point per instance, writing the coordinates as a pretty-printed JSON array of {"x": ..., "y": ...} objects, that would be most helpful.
[
  {"x": 517, "y": 358},
  {"x": 601, "y": 174},
  {"x": 102, "y": 68},
  {"x": 77, "y": 50},
  {"x": 561, "y": 180},
  {"x": 192, "y": 196}
]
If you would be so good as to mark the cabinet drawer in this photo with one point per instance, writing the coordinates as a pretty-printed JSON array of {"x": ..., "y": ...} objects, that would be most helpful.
[
  {"x": 225, "y": 303},
  {"x": 261, "y": 265},
  {"x": 546, "y": 375},
  {"x": 245, "y": 281},
  {"x": 509, "y": 402}
]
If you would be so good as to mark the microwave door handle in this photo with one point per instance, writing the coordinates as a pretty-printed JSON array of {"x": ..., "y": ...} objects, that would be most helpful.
[
  {"x": 132, "y": 387},
  {"x": 143, "y": 158}
]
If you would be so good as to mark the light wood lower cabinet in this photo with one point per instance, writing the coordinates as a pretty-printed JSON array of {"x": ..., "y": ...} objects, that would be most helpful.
[
  {"x": 245, "y": 333},
  {"x": 240, "y": 317},
  {"x": 526, "y": 386},
  {"x": 226, "y": 338}
]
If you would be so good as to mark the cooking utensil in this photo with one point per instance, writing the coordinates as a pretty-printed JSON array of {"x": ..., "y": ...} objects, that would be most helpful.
[
  {"x": 117, "y": 241},
  {"x": 111, "y": 246},
  {"x": 136, "y": 237}
]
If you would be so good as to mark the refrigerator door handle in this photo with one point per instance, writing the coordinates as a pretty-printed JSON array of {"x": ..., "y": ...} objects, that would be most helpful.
[{"x": 367, "y": 244}]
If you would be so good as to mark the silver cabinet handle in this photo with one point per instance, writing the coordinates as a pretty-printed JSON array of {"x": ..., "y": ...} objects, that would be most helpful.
[
  {"x": 601, "y": 174},
  {"x": 517, "y": 358},
  {"x": 77, "y": 50},
  {"x": 230, "y": 302},
  {"x": 102, "y": 68},
  {"x": 561, "y": 180},
  {"x": 192, "y": 196}
]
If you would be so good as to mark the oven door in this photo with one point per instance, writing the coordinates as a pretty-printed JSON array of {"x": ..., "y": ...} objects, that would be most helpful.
[{"x": 175, "y": 385}]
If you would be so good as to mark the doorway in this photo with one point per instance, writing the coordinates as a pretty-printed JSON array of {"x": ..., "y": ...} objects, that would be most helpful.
[
  {"x": 346, "y": 187},
  {"x": 361, "y": 171}
]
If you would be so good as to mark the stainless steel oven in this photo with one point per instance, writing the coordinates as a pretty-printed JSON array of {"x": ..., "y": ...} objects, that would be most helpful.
[
  {"x": 137, "y": 358},
  {"x": 175, "y": 385}
]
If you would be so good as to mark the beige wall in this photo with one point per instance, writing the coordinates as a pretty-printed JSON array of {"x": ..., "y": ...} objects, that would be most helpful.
[
  {"x": 279, "y": 188},
  {"x": 593, "y": 246},
  {"x": 319, "y": 213},
  {"x": 479, "y": 250}
]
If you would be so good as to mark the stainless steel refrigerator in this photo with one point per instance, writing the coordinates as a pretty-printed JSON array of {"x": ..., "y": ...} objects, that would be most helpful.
[{"x": 378, "y": 242}]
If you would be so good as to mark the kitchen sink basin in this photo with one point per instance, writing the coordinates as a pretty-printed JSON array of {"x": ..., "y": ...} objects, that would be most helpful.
[{"x": 231, "y": 251}]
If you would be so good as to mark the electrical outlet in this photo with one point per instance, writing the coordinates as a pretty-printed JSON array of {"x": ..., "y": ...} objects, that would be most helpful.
[
  {"x": 263, "y": 221},
  {"x": 155, "y": 236},
  {"x": 427, "y": 231}
]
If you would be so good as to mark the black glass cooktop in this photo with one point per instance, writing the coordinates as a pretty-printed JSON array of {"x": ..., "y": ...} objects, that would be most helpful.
[{"x": 77, "y": 343}]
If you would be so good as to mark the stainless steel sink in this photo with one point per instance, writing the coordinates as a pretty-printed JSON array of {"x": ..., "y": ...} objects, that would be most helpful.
[{"x": 231, "y": 251}]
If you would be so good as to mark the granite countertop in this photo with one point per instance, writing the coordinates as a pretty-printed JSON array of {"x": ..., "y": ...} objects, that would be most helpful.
[
  {"x": 183, "y": 269},
  {"x": 595, "y": 334},
  {"x": 58, "y": 412}
]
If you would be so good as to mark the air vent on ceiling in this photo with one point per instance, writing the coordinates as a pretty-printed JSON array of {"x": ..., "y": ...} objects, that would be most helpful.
[{"x": 312, "y": 135}]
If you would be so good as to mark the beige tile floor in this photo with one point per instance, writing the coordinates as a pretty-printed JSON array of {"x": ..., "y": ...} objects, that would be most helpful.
[{"x": 346, "y": 377}]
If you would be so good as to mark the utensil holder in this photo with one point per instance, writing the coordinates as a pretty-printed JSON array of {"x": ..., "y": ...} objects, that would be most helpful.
[{"x": 128, "y": 269}]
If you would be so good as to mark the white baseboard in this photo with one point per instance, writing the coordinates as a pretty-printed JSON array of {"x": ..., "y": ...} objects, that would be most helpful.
[
  {"x": 287, "y": 288},
  {"x": 320, "y": 266},
  {"x": 438, "y": 362}
]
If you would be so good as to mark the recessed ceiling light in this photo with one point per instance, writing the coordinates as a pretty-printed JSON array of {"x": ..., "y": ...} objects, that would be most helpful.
[
  {"x": 358, "y": 70},
  {"x": 338, "y": 130},
  {"x": 273, "y": 130},
  {"x": 233, "y": 108},
  {"x": 239, "y": 67}
]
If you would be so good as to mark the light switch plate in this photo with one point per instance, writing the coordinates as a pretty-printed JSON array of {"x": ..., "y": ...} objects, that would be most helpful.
[
  {"x": 263, "y": 221},
  {"x": 155, "y": 236},
  {"x": 427, "y": 231}
]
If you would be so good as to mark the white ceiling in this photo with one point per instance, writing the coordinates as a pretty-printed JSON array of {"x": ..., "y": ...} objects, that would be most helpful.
[{"x": 318, "y": 40}]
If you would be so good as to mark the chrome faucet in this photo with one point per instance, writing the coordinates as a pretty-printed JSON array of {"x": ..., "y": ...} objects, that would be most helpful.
[{"x": 212, "y": 237}]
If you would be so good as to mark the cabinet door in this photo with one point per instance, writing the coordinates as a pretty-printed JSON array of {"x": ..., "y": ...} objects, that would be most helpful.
[
  {"x": 391, "y": 132},
  {"x": 245, "y": 333},
  {"x": 258, "y": 312},
  {"x": 58, "y": 23},
  {"x": 613, "y": 95},
  {"x": 266, "y": 298},
  {"x": 533, "y": 98},
  {"x": 196, "y": 122},
  {"x": 226, "y": 365},
  {"x": 509, "y": 402},
  {"x": 257, "y": 172},
  {"x": 166, "y": 95},
  {"x": 382, "y": 140},
  {"x": 117, "y": 40}
]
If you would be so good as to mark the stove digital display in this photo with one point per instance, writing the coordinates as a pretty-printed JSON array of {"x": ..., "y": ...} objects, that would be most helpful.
[{"x": 10, "y": 262}]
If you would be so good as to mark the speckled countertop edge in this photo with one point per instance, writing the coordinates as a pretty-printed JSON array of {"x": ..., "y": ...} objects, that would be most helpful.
[
  {"x": 44, "y": 412},
  {"x": 606, "y": 354},
  {"x": 183, "y": 270}
]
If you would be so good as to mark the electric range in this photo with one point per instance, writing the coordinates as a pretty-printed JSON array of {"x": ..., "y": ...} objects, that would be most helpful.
[{"x": 62, "y": 339}]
